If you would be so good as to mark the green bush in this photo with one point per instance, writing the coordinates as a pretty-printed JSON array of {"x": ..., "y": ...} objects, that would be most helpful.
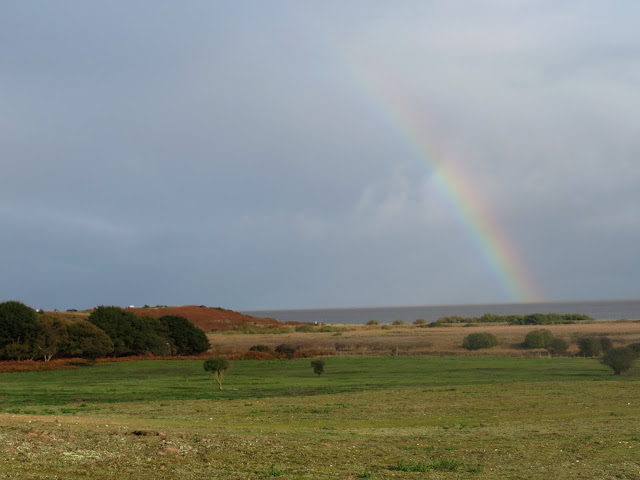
[
  {"x": 260, "y": 348},
  {"x": 540, "y": 338},
  {"x": 476, "y": 341},
  {"x": 594, "y": 346},
  {"x": 620, "y": 359},
  {"x": 606, "y": 344},
  {"x": 373, "y": 322},
  {"x": 287, "y": 350},
  {"x": 419, "y": 321},
  {"x": 635, "y": 347},
  {"x": 186, "y": 338},
  {"x": 305, "y": 328},
  {"x": 558, "y": 347},
  {"x": 87, "y": 341},
  {"x": 398, "y": 322},
  {"x": 589, "y": 347}
]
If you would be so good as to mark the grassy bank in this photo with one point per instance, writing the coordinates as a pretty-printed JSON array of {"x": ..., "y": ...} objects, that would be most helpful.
[{"x": 366, "y": 417}]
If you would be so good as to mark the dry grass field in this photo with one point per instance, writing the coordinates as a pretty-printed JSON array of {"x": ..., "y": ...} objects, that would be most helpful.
[{"x": 416, "y": 340}]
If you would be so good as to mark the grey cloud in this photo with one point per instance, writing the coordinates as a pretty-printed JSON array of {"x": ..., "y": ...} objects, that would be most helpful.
[{"x": 229, "y": 153}]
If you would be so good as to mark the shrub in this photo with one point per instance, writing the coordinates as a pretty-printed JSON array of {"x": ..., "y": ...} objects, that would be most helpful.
[
  {"x": 260, "y": 348},
  {"x": 87, "y": 341},
  {"x": 419, "y": 321},
  {"x": 635, "y": 347},
  {"x": 318, "y": 366},
  {"x": 589, "y": 347},
  {"x": 619, "y": 359},
  {"x": 256, "y": 355},
  {"x": 540, "y": 338},
  {"x": 594, "y": 346},
  {"x": 558, "y": 347},
  {"x": 476, "y": 341},
  {"x": 373, "y": 322},
  {"x": 304, "y": 328},
  {"x": 606, "y": 344},
  {"x": 287, "y": 350},
  {"x": 398, "y": 322}
]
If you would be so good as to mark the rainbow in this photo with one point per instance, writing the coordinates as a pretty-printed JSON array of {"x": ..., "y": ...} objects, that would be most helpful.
[{"x": 452, "y": 187}]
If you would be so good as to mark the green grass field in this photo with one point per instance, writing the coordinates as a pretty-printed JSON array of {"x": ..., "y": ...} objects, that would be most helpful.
[{"x": 366, "y": 417}]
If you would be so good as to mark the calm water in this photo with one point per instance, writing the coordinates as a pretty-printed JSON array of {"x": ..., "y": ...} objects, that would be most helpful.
[{"x": 600, "y": 310}]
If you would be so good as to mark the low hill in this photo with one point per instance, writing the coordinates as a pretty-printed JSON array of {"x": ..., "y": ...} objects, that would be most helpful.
[{"x": 207, "y": 318}]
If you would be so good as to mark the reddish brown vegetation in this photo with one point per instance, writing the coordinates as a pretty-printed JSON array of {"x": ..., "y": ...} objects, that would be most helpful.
[
  {"x": 207, "y": 318},
  {"x": 33, "y": 365}
]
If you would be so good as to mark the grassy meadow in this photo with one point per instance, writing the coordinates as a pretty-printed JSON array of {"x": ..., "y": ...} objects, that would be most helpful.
[{"x": 379, "y": 417}]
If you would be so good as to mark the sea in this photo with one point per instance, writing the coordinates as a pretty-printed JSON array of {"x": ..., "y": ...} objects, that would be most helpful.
[{"x": 598, "y": 309}]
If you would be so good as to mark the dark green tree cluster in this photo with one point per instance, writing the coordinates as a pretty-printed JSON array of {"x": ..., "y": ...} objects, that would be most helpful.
[
  {"x": 18, "y": 331},
  {"x": 27, "y": 335},
  {"x": 135, "y": 335},
  {"x": 24, "y": 334},
  {"x": 532, "y": 319},
  {"x": 548, "y": 318}
]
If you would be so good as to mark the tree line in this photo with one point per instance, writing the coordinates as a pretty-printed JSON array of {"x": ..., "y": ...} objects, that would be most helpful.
[
  {"x": 108, "y": 331},
  {"x": 530, "y": 319}
]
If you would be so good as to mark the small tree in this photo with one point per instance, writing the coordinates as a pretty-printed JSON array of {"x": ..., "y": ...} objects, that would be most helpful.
[
  {"x": 53, "y": 336},
  {"x": 619, "y": 359},
  {"x": 318, "y": 366},
  {"x": 218, "y": 366},
  {"x": 476, "y": 341}
]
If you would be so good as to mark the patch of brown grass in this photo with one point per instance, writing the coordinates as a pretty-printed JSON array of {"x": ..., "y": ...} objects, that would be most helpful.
[{"x": 412, "y": 340}]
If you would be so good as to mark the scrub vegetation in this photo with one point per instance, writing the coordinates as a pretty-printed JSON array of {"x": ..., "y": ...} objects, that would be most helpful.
[{"x": 384, "y": 401}]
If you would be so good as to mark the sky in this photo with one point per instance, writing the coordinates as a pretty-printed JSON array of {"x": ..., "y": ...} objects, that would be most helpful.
[{"x": 287, "y": 154}]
